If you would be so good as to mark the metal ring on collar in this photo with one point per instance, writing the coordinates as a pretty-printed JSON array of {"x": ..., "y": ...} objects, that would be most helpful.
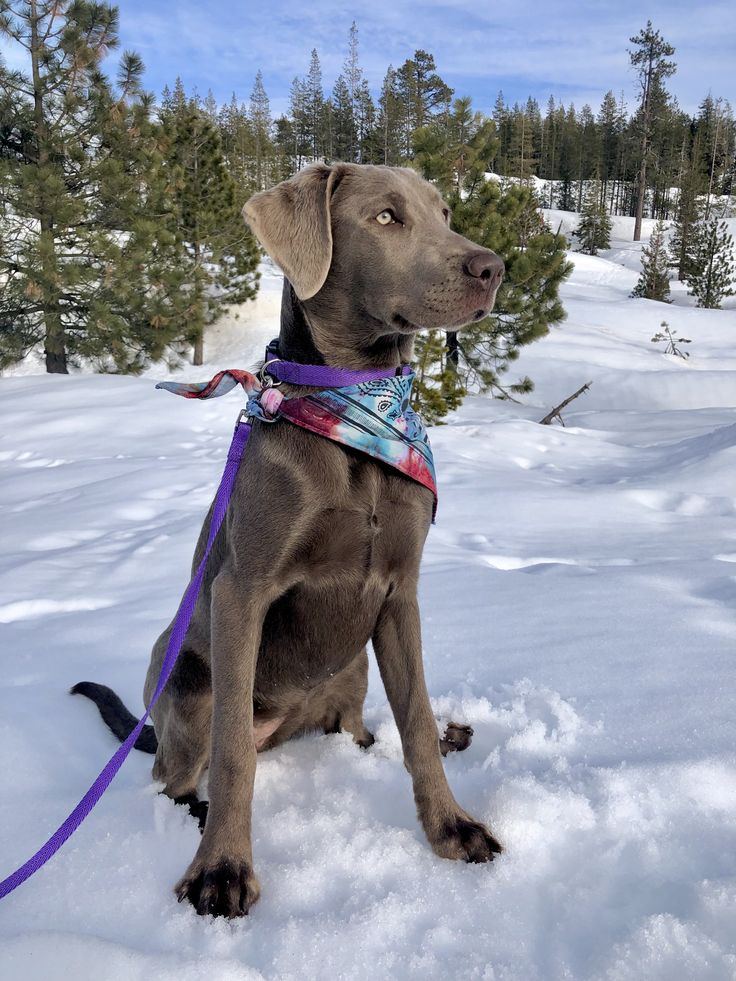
[{"x": 265, "y": 379}]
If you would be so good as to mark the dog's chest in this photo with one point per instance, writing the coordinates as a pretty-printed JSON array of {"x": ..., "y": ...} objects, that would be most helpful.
[
  {"x": 372, "y": 524},
  {"x": 358, "y": 547}
]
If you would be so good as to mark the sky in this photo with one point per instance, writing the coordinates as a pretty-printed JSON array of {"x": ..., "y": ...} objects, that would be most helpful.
[{"x": 574, "y": 51}]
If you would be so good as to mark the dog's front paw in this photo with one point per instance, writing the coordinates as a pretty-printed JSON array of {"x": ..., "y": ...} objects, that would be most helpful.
[
  {"x": 222, "y": 889},
  {"x": 460, "y": 837}
]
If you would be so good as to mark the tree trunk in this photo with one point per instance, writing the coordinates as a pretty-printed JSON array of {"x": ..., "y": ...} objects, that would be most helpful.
[
  {"x": 54, "y": 347},
  {"x": 198, "y": 355},
  {"x": 453, "y": 350},
  {"x": 640, "y": 199},
  {"x": 646, "y": 111}
]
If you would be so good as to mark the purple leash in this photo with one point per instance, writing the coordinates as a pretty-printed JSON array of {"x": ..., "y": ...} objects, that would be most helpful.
[{"x": 178, "y": 633}]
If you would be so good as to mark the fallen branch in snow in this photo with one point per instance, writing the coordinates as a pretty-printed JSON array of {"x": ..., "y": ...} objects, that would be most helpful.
[{"x": 556, "y": 412}]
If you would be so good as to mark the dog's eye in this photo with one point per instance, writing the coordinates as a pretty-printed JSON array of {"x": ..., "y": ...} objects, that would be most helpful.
[
  {"x": 386, "y": 217},
  {"x": 446, "y": 215}
]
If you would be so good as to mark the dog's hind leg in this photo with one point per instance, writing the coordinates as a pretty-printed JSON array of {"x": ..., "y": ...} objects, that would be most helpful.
[
  {"x": 182, "y": 720},
  {"x": 456, "y": 739},
  {"x": 345, "y": 702}
]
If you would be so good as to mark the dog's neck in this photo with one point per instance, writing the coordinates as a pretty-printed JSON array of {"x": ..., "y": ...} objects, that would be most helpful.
[
  {"x": 310, "y": 337},
  {"x": 295, "y": 337}
]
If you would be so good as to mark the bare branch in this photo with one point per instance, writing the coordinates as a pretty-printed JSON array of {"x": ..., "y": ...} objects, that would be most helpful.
[{"x": 556, "y": 412}]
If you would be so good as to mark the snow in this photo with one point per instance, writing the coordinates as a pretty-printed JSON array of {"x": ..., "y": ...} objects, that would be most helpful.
[{"x": 578, "y": 594}]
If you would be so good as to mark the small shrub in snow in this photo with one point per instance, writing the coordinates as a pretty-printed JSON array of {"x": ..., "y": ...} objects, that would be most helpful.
[
  {"x": 654, "y": 281},
  {"x": 666, "y": 335}
]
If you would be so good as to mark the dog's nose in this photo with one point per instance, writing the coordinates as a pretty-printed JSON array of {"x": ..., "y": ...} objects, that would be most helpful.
[{"x": 486, "y": 266}]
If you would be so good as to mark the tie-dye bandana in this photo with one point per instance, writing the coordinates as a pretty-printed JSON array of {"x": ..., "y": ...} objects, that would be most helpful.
[{"x": 374, "y": 417}]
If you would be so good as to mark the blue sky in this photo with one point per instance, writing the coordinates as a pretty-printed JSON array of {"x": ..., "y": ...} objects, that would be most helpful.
[{"x": 572, "y": 51}]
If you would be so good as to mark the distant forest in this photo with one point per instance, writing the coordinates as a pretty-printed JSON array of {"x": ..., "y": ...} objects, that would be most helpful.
[{"x": 559, "y": 143}]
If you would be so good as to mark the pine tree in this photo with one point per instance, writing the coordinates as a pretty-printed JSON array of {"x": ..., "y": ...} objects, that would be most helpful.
[
  {"x": 210, "y": 103},
  {"x": 687, "y": 214},
  {"x": 587, "y": 150},
  {"x": 352, "y": 72},
  {"x": 259, "y": 116},
  {"x": 390, "y": 122},
  {"x": 437, "y": 388},
  {"x": 298, "y": 114},
  {"x": 521, "y": 146},
  {"x": 569, "y": 155},
  {"x": 221, "y": 254},
  {"x": 609, "y": 132},
  {"x": 548, "y": 161},
  {"x": 594, "y": 229},
  {"x": 654, "y": 281},
  {"x": 713, "y": 269},
  {"x": 344, "y": 132},
  {"x": 88, "y": 267},
  {"x": 447, "y": 154},
  {"x": 243, "y": 149},
  {"x": 365, "y": 125},
  {"x": 423, "y": 93},
  {"x": 649, "y": 58},
  {"x": 314, "y": 108}
]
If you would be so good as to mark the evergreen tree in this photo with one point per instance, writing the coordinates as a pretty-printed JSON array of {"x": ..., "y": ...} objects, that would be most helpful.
[
  {"x": 609, "y": 134},
  {"x": 259, "y": 117},
  {"x": 713, "y": 270},
  {"x": 437, "y": 389},
  {"x": 88, "y": 267},
  {"x": 549, "y": 151},
  {"x": 587, "y": 150},
  {"x": 352, "y": 72},
  {"x": 503, "y": 120},
  {"x": 285, "y": 140},
  {"x": 368, "y": 147},
  {"x": 210, "y": 103},
  {"x": 569, "y": 140},
  {"x": 244, "y": 138},
  {"x": 423, "y": 93},
  {"x": 390, "y": 122},
  {"x": 300, "y": 150},
  {"x": 314, "y": 108},
  {"x": 649, "y": 58},
  {"x": 221, "y": 254},
  {"x": 521, "y": 144},
  {"x": 344, "y": 131},
  {"x": 654, "y": 281},
  {"x": 594, "y": 229},
  {"x": 687, "y": 214}
]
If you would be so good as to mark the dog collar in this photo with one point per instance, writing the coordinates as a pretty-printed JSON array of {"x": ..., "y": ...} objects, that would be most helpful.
[{"x": 368, "y": 411}]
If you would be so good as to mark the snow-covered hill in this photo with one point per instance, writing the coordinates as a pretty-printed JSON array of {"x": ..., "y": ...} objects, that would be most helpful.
[{"x": 578, "y": 594}]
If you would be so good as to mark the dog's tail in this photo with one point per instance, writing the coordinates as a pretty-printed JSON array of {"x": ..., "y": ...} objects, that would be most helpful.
[{"x": 118, "y": 719}]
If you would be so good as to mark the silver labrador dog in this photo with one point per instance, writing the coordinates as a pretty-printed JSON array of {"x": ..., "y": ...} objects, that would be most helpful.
[{"x": 321, "y": 547}]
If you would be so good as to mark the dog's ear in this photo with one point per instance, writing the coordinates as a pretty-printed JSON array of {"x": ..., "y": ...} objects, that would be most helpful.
[{"x": 292, "y": 223}]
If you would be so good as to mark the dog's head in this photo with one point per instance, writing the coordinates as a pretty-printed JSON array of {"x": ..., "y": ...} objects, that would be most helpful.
[{"x": 369, "y": 250}]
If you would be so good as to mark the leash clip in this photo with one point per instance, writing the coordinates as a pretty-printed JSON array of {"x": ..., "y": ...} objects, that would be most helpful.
[{"x": 264, "y": 378}]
